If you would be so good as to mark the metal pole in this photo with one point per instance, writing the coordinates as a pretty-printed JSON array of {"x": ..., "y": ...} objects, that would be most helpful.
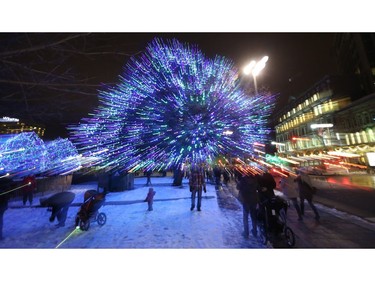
[{"x": 255, "y": 84}]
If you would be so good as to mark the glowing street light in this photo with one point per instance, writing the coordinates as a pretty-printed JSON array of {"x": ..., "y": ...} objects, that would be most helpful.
[
  {"x": 277, "y": 143},
  {"x": 254, "y": 69},
  {"x": 316, "y": 126}
]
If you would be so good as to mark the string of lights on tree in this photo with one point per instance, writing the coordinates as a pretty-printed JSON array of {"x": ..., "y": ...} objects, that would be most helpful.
[{"x": 172, "y": 104}]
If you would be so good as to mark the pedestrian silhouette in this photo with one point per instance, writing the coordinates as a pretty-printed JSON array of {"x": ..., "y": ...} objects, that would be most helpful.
[
  {"x": 150, "y": 198},
  {"x": 29, "y": 186},
  {"x": 5, "y": 188},
  {"x": 197, "y": 184},
  {"x": 306, "y": 192},
  {"x": 248, "y": 193},
  {"x": 289, "y": 187},
  {"x": 148, "y": 175}
]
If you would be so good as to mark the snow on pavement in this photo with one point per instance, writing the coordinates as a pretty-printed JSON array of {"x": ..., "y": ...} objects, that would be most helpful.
[{"x": 129, "y": 225}]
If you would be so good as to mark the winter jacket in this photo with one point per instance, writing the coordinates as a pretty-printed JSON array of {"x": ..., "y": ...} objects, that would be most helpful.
[
  {"x": 267, "y": 184},
  {"x": 29, "y": 187},
  {"x": 150, "y": 195},
  {"x": 305, "y": 190},
  {"x": 196, "y": 179},
  {"x": 289, "y": 186},
  {"x": 5, "y": 186},
  {"x": 248, "y": 190}
]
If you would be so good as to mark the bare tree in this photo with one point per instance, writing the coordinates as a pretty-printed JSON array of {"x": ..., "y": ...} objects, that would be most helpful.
[{"x": 53, "y": 78}]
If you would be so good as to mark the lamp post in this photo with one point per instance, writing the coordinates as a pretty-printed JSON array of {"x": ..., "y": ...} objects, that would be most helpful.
[{"x": 254, "y": 68}]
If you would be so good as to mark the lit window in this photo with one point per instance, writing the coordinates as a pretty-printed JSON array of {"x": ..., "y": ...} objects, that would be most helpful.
[
  {"x": 316, "y": 112},
  {"x": 371, "y": 135},
  {"x": 358, "y": 137},
  {"x": 347, "y": 139},
  {"x": 364, "y": 136}
]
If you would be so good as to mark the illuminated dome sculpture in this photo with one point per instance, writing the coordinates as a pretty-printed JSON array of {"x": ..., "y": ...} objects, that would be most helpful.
[{"x": 22, "y": 154}]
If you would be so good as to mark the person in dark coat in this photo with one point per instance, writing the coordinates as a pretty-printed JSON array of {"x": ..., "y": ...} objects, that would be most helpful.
[
  {"x": 248, "y": 193},
  {"x": 197, "y": 183},
  {"x": 226, "y": 176},
  {"x": 150, "y": 198},
  {"x": 289, "y": 187},
  {"x": 29, "y": 186},
  {"x": 5, "y": 187},
  {"x": 217, "y": 176},
  {"x": 59, "y": 204},
  {"x": 267, "y": 185},
  {"x": 148, "y": 175},
  {"x": 306, "y": 192}
]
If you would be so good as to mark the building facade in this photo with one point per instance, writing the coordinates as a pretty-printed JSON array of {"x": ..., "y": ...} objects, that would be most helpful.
[
  {"x": 355, "y": 129},
  {"x": 294, "y": 133},
  {"x": 10, "y": 125},
  {"x": 323, "y": 122}
]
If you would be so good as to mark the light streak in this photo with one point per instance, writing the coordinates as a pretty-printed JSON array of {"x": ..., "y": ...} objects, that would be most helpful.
[
  {"x": 173, "y": 104},
  {"x": 11, "y": 190},
  {"x": 303, "y": 139},
  {"x": 71, "y": 233}
]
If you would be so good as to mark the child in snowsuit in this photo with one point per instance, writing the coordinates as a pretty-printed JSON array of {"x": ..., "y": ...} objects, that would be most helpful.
[{"x": 150, "y": 198}]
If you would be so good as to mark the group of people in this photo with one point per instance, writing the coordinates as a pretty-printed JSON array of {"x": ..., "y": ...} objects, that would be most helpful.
[
  {"x": 7, "y": 185},
  {"x": 28, "y": 185},
  {"x": 256, "y": 188},
  {"x": 253, "y": 188}
]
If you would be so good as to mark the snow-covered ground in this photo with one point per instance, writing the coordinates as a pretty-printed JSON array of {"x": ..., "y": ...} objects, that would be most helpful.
[
  {"x": 169, "y": 242},
  {"x": 129, "y": 225}
]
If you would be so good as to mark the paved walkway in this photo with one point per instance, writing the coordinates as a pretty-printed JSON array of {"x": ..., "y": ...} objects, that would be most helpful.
[{"x": 334, "y": 229}]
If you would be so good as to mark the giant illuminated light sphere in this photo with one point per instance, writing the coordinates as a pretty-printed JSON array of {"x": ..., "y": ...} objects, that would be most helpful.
[{"x": 172, "y": 104}]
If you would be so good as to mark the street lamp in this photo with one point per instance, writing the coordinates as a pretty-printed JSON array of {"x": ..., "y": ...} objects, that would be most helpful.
[{"x": 254, "y": 68}]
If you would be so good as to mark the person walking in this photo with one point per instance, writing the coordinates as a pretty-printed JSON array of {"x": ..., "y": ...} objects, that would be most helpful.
[
  {"x": 217, "y": 176},
  {"x": 5, "y": 187},
  {"x": 197, "y": 183},
  {"x": 289, "y": 187},
  {"x": 267, "y": 184},
  {"x": 306, "y": 192},
  {"x": 226, "y": 176},
  {"x": 29, "y": 185},
  {"x": 148, "y": 175},
  {"x": 248, "y": 193},
  {"x": 150, "y": 198}
]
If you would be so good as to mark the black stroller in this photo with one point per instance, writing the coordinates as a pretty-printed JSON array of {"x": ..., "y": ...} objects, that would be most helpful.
[
  {"x": 89, "y": 210},
  {"x": 272, "y": 222}
]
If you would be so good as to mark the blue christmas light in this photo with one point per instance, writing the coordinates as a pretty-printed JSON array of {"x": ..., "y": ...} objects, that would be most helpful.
[
  {"x": 22, "y": 154},
  {"x": 172, "y": 104},
  {"x": 62, "y": 157}
]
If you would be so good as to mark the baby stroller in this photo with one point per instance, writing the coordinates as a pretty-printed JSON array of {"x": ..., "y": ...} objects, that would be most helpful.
[
  {"x": 272, "y": 222},
  {"x": 89, "y": 210}
]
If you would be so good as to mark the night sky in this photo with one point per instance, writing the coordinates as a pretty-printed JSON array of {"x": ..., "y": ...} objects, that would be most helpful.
[{"x": 296, "y": 62}]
